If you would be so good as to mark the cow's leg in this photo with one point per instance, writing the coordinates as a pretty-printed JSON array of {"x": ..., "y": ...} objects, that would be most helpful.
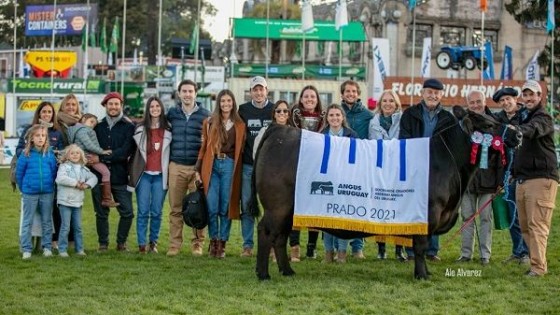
[
  {"x": 263, "y": 250},
  {"x": 280, "y": 250},
  {"x": 420, "y": 245}
]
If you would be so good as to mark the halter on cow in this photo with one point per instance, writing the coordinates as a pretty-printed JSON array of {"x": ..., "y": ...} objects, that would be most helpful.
[{"x": 450, "y": 166}]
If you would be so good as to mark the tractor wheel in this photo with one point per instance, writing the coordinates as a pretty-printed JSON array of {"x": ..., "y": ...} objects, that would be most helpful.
[
  {"x": 443, "y": 60},
  {"x": 470, "y": 63}
]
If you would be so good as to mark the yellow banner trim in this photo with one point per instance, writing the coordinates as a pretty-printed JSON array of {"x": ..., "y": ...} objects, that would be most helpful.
[{"x": 361, "y": 226}]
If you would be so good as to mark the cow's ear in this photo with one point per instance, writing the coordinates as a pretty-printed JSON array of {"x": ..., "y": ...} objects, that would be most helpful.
[{"x": 459, "y": 112}]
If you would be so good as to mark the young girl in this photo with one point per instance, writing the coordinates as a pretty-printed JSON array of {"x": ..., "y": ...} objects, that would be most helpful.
[
  {"x": 148, "y": 172},
  {"x": 336, "y": 126},
  {"x": 35, "y": 175},
  {"x": 72, "y": 179},
  {"x": 223, "y": 137}
]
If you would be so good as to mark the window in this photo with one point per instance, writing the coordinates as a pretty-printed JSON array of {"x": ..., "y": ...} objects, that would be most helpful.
[
  {"x": 454, "y": 36},
  {"x": 288, "y": 96},
  {"x": 489, "y": 35},
  {"x": 422, "y": 31}
]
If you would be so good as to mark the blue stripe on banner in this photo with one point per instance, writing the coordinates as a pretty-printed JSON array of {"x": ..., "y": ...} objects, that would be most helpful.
[
  {"x": 379, "y": 153},
  {"x": 326, "y": 153},
  {"x": 352, "y": 153},
  {"x": 402, "y": 160}
]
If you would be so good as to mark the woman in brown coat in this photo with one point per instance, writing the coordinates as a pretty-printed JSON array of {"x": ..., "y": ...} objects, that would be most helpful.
[{"x": 223, "y": 137}]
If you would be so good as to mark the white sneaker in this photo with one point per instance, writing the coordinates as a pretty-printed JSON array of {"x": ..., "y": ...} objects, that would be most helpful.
[
  {"x": 26, "y": 255},
  {"x": 63, "y": 254},
  {"x": 47, "y": 252},
  {"x": 81, "y": 253}
]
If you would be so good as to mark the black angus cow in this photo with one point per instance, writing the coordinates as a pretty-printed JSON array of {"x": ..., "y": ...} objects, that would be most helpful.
[{"x": 275, "y": 175}]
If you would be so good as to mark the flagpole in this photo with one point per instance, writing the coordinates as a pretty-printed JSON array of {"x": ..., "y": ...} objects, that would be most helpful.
[
  {"x": 266, "y": 61},
  {"x": 413, "y": 51},
  {"x": 86, "y": 58},
  {"x": 123, "y": 46},
  {"x": 552, "y": 75},
  {"x": 159, "y": 62},
  {"x": 303, "y": 57},
  {"x": 482, "y": 52},
  {"x": 14, "y": 64},
  {"x": 52, "y": 50},
  {"x": 197, "y": 43},
  {"x": 340, "y": 54}
]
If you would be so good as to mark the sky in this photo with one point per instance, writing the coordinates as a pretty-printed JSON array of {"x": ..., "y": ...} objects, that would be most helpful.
[{"x": 219, "y": 25}]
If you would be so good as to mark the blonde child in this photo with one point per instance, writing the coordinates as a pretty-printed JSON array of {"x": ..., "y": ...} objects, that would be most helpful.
[
  {"x": 72, "y": 179},
  {"x": 84, "y": 136},
  {"x": 35, "y": 175}
]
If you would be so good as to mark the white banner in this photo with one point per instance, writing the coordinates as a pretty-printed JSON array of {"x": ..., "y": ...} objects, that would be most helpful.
[
  {"x": 372, "y": 186},
  {"x": 307, "y": 23},
  {"x": 426, "y": 58},
  {"x": 533, "y": 69},
  {"x": 381, "y": 62}
]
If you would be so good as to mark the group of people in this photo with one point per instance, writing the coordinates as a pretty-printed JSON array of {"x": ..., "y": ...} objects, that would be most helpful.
[{"x": 190, "y": 146}]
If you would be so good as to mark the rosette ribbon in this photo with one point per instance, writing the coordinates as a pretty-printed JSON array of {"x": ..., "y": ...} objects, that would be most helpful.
[
  {"x": 486, "y": 143},
  {"x": 476, "y": 139},
  {"x": 498, "y": 145}
]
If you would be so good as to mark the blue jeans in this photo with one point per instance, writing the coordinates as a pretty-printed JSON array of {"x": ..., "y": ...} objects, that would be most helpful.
[
  {"x": 519, "y": 247},
  {"x": 247, "y": 220},
  {"x": 357, "y": 244},
  {"x": 219, "y": 192},
  {"x": 32, "y": 203},
  {"x": 332, "y": 242},
  {"x": 70, "y": 216},
  {"x": 150, "y": 196},
  {"x": 433, "y": 245},
  {"x": 126, "y": 213}
]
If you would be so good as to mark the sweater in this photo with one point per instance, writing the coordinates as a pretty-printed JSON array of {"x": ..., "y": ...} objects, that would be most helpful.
[{"x": 254, "y": 119}]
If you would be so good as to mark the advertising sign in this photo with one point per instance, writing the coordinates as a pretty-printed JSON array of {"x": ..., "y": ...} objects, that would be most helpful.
[
  {"x": 64, "y": 19},
  {"x": 26, "y": 106},
  {"x": 45, "y": 62},
  {"x": 291, "y": 29},
  {"x": 58, "y": 86},
  {"x": 455, "y": 91}
]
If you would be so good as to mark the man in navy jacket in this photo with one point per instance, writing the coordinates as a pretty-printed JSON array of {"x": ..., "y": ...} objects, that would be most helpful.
[{"x": 114, "y": 133}]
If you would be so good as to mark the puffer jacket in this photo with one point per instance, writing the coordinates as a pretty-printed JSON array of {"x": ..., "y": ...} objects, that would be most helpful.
[
  {"x": 358, "y": 118},
  {"x": 85, "y": 138},
  {"x": 35, "y": 174},
  {"x": 67, "y": 178},
  {"x": 186, "y": 134}
]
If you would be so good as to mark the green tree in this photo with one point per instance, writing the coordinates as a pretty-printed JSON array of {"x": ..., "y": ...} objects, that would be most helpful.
[{"x": 536, "y": 11}]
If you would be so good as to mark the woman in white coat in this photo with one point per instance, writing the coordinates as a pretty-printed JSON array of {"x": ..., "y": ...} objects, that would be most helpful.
[{"x": 385, "y": 125}]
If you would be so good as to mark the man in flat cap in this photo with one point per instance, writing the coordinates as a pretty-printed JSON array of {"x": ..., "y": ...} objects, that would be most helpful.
[
  {"x": 536, "y": 173},
  {"x": 511, "y": 115},
  {"x": 423, "y": 120},
  {"x": 114, "y": 133}
]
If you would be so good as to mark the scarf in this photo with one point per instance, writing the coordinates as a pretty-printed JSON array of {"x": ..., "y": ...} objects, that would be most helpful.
[
  {"x": 45, "y": 123},
  {"x": 386, "y": 122},
  {"x": 67, "y": 119},
  {"x": 111, "y": 121}
]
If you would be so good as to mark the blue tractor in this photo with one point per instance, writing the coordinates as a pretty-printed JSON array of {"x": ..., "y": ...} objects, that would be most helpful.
[{"x": 457, "y": 57}]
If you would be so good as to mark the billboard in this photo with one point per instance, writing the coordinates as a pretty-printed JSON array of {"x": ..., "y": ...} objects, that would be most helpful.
[{"x": 64, "y": 19}]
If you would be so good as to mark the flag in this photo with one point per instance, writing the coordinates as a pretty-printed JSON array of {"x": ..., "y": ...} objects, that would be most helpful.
[
  {"x": 84, "y": 38},
  {"x": 483, "y": 5},
  {"x": 488, "y": 73},
  {"x": 307, "y": 23},
  {"x": 194, "y": 40},
  {"x": 550, "y": 21},
  {"x": 92, "y": 36},
  {"x": 103, "y": 39},
  {"x": 426, "y": 58},
  {"x": 533, "y": 70},
  {"x": 411, "y": 5},
  {"x": 341, "y": 15},
  {"x": 507, "y": 66},
  {"x": 114, "y": 44},
  {"x": 381, "y": 62}
]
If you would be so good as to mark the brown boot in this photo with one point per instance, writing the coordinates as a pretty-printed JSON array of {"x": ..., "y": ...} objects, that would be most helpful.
[
  {"x": 212, "y": 248},
  {"x": 106, "y": 196},
  {"x": 329, "y": 257},
  {"x": 294, "y": 254},
  {"x": 341, "y": 257},
  {"x": 221, "y": 250}
]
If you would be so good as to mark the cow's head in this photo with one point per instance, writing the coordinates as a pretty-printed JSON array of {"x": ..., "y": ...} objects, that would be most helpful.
[{"x": 471, "y": 122}]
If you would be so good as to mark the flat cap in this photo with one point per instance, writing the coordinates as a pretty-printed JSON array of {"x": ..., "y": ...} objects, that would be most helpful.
[
  {"x": 433, "y": 84},
  {"x": 110, "y": 96},
  {"x": 504, "y": 92}
]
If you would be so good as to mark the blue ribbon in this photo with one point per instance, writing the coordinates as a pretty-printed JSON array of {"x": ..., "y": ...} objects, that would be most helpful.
[
  {"x": 402, "y": 160},
  {"x": 352, "y": 153},
  {"x": 326, "y": 153},
  {"x": 379, "y": 153},
  {"x": 486, "y": 143}
]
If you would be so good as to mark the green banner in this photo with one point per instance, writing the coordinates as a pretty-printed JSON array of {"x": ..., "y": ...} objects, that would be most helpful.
[
  {"x": 59, "y": 86},
  {"x": 291, "y": 29},
  {"x": 295, "y": 71}
]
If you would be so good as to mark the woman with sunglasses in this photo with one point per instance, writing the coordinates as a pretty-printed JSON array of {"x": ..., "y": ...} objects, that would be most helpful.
[{"x": 280, "y": 116}]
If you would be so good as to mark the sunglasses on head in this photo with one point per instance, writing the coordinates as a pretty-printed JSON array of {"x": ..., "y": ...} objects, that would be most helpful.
[{"x": 279, "y": 111}]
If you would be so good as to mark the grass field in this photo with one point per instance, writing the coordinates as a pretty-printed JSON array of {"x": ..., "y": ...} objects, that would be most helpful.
[{"x": 130, "y": 283}]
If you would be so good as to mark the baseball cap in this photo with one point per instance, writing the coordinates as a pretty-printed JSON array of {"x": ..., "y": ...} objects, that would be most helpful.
[
  {"x": 532, "y": 85},
  {"x": 258, "y": 80}
]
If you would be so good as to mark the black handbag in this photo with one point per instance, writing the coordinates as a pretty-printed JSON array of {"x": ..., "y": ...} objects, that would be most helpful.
[{"x": 195, "y": 209}]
